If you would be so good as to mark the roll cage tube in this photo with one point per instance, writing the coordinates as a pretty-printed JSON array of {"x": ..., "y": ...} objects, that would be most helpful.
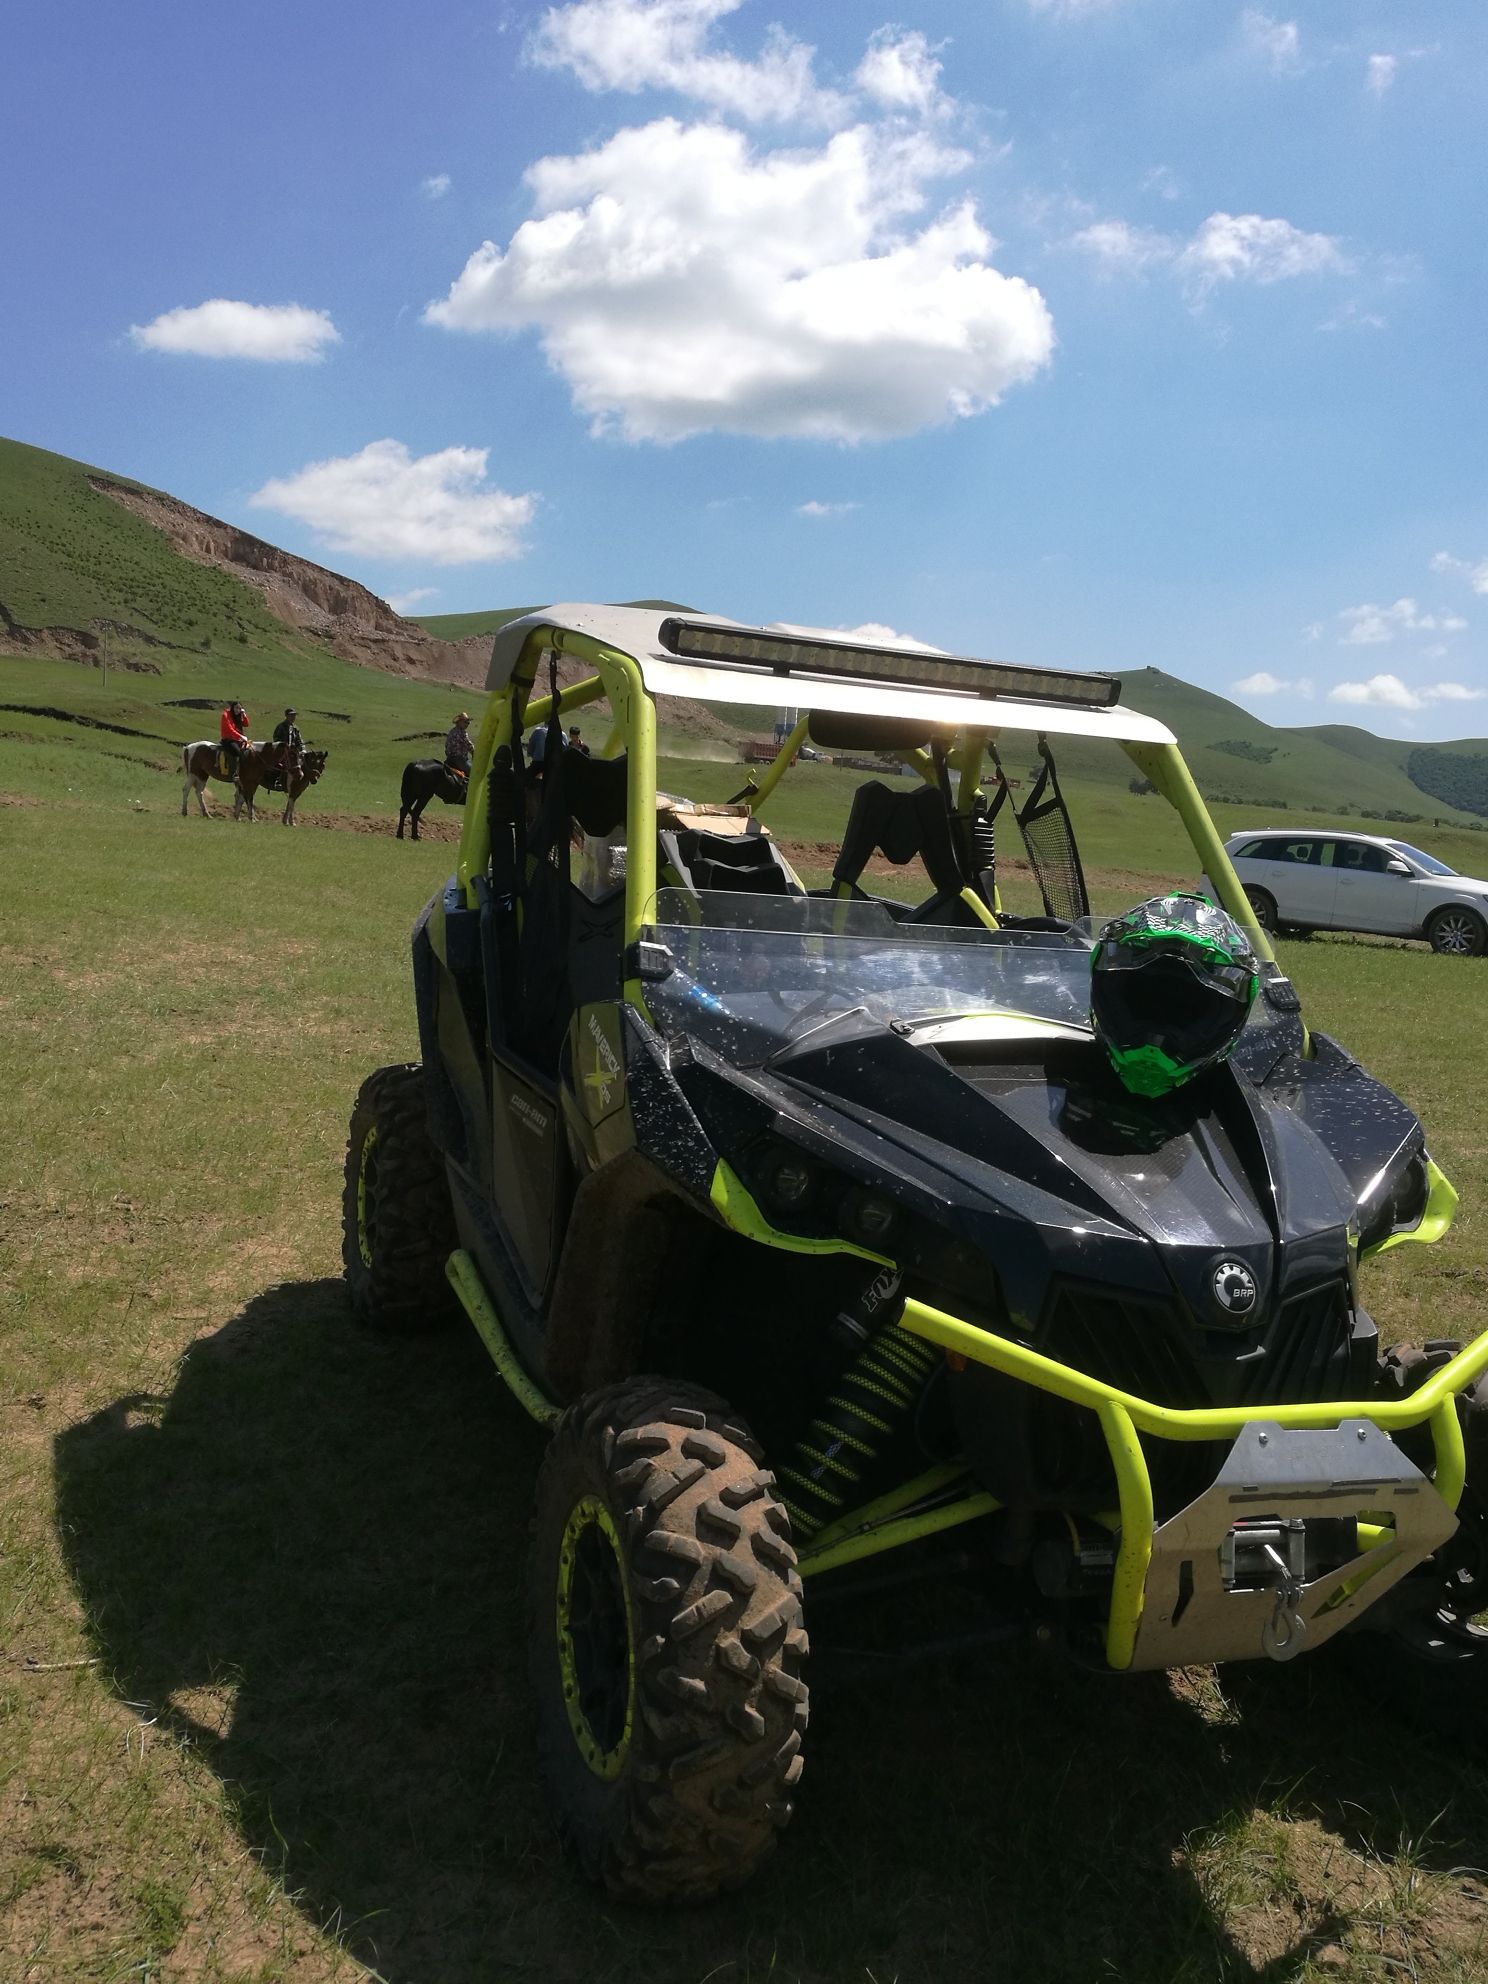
[
  {"x": 1123, "y": 1416},
  {"x": 617, "y": 677},
  {"x": 1163, "y": 764}
]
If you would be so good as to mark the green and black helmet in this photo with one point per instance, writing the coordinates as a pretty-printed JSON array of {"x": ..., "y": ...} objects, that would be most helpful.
[{"x": 1171, "y": 985}]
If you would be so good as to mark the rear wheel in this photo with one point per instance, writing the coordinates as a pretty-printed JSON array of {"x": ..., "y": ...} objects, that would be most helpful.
[
  {"x": 1457, "y": 933},
  {"x": 397, "y": 1228},
  {"x": 666, "y": 1642},
  {"x": 1263, "y": 907}
]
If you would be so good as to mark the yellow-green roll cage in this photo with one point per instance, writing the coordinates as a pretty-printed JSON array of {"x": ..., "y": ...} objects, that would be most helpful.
[{"x": 920, "y": 1508}]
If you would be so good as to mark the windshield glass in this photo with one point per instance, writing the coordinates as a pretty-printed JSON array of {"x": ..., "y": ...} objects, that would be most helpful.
[
  {"x": 1427, "y": 861},
  {"x": 751, "y": 974}
]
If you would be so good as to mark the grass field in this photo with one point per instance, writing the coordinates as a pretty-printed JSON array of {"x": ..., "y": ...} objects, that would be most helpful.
[{"x": 262, "y": 1708}]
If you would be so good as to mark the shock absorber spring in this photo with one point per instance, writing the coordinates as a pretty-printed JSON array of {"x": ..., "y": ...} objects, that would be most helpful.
[{"x": 861, "y": 1413}]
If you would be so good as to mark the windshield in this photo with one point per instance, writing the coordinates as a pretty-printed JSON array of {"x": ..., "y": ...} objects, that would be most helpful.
[
  {"x": 1427, "y": 861},
  {"x": 751, "y": 974}
]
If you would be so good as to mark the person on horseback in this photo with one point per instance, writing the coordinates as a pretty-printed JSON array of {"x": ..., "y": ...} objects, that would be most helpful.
[
  {"x": 235, "y": 738},
  {"x": 287, "y": 733},
  {"x": 459, "y": 752}
]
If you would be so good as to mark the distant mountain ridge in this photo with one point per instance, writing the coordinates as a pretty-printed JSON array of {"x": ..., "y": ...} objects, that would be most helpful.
[{"x": 81, "y": 545}]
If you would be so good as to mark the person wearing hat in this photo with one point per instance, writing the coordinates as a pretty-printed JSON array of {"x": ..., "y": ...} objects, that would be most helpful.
[
  {"x": 287, "y": 733},
  {"x": 459, "y": 752}
]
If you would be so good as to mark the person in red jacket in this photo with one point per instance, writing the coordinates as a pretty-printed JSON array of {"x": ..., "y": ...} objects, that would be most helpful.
[{"x": 235, "y": 738}]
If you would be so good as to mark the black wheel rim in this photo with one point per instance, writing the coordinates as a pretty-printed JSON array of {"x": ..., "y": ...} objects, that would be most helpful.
[{"x": 594, "y": 1638}]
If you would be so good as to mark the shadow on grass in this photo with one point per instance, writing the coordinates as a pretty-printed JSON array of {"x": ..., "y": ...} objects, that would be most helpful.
[{"x": 330, "y": 1530}]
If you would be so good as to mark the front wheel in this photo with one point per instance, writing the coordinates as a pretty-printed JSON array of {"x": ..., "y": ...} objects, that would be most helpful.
[
  {"x": 1457, "y": 933},
  {"x": 397, "y": 1227},
  {"x": 666, "y": 1642}
]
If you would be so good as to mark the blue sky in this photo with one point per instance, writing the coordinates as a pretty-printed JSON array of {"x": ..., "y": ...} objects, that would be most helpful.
[{"x": 1103, "y": 332}]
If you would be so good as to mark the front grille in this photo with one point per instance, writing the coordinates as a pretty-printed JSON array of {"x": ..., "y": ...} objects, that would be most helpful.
[
  {"x": 1124, "y": 1340},
  {"x": 1136, "y": 1345},
  {"x": 1307, "y": 1350}
]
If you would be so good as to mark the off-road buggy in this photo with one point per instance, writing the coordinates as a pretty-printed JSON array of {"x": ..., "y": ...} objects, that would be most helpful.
[{"x": 821, "y": 1228}]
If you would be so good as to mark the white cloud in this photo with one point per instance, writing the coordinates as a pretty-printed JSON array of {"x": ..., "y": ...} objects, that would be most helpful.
[
  {"x": 1277, "y": 41},
  {"x": 1352, "y": 316},
  {"x": 1121, "y": 248},
  {"x": 1475, "y": 574},
  {"x": 402, "y": 602},
  {"x": 900, "y": 72},
  {"x": 1224, "y": 248},
  {"x": 815, "y": 509},
  {"x": 683, "y": 282},
  {"x": 634, "y": 45},
  {"x": 273, "y": 333},
  {"x": 873, "y": 632},
  {"x": 436, "y": 185},
  {"x": 1069, "y": 10},
  {"x": 1264, "y": 683},
  {"x": 878, "y": 635},
  {"x": 385, "y": 503},
  {"x": 1389, "y": 692},
  {"x": 1232, "y": 246},
  {"x": 1372, "y": 626},
  {"x": 1380, "y": 73}
]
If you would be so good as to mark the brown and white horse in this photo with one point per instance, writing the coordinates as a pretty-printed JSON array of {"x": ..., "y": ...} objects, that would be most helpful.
[{"x": 199, "y": 763}]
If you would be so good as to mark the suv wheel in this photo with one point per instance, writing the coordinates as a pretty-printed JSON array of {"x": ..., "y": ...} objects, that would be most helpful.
[
  {"x": 1264, "y": 907},
  {"x": 666, "y": 1642},
  {"x": 397, "y": 1228},
  {"x": 1457, "y": 933}
]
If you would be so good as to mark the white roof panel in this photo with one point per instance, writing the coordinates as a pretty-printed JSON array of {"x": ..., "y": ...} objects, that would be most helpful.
[{"x": 636, "y": 631}]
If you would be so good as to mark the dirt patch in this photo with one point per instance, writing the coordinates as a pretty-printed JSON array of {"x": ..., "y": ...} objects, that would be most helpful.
[
  {"x": 77, "y": 644},
  {"x": 352, "y": 622},
  {"x": 380, "y": 823},
  {"x": 19, "y": 799}
]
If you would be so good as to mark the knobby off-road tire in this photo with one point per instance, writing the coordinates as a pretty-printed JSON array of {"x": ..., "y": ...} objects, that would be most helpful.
[
  {"x": 397, "y": 1228},
  {"x": 666, "y": 1642}
]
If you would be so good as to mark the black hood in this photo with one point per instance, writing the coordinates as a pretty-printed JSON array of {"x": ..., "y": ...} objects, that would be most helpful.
[{"x": 1156, "y": 1199}]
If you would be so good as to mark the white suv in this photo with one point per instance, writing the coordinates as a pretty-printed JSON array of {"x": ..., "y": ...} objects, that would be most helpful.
[{"x": 1307, "y": 879}]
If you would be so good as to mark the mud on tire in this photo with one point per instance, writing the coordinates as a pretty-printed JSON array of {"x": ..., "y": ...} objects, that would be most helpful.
[
  {"x": 689, "y": 1799},
  {"x": 397, "y": 1228}
]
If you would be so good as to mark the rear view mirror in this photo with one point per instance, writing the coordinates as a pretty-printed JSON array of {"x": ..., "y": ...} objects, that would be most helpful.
[{"x": 1397, "y": 867}]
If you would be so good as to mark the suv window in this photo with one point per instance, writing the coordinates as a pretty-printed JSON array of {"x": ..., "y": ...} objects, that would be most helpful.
[
  {"x": 1253, "y": 850},
  {"x": 1359, "y": 858},
  {"x": 1305, "y": 853}
]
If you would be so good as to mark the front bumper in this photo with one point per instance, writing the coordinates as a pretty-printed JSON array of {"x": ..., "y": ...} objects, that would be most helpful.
[{"x": 1170, "y": 1600}]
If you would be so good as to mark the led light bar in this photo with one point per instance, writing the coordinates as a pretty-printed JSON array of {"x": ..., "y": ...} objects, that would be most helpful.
[{"x": 785, "y": 654}]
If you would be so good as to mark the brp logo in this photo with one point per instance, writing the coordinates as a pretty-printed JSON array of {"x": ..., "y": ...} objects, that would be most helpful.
[{"x": 1235, "y": 1288}]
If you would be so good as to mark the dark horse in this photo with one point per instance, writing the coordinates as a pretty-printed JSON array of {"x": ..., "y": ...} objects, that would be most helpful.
[
  {"x": 267, "y": 768},
  {"x": 426, "y": 779}
]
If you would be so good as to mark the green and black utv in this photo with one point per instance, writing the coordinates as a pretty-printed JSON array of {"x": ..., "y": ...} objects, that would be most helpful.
[{"x": 820, "y": 1223}]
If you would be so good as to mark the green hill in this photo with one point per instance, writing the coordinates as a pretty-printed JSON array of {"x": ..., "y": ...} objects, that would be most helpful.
[
  {"x": 70, "y": 555},
  {"x": 73, "y": 555}
]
